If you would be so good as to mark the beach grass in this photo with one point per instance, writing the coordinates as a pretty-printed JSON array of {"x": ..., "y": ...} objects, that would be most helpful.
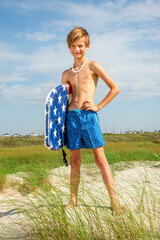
[
  {"x": 28, "y": 154},
  {"x": 44, "y": 216},
  {"x": 3, "y": 177}
]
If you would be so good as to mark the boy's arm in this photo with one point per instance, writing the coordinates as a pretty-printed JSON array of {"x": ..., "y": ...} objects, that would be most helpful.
[{"x": 114, "y": 89}]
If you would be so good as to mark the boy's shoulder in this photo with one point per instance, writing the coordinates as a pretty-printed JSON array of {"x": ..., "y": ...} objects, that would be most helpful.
[
  {"x": 66, "y": 72},
  {"x": 94, "y": 65},
  {"x": 65, "y": 75}
]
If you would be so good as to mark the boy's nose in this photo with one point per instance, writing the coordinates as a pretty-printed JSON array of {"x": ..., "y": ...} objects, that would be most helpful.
[{"x": 76, "y": 49}]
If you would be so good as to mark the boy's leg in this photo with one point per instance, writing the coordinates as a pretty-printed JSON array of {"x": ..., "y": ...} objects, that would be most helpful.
[
  {"x": 75, "y": 156},
  {"x": 101, "y": 161}
]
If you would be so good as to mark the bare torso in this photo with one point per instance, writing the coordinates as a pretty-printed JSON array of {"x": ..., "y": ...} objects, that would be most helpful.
[{"x": 83, "y": 85}]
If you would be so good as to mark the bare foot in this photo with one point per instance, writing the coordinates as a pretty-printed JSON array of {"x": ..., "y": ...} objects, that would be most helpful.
[
  {"x": 116, "y": 210},
  {"x": 70, "y": 205}
]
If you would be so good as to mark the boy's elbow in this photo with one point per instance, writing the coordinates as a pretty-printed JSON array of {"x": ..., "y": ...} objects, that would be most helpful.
[{"x": 117, "y": 90}]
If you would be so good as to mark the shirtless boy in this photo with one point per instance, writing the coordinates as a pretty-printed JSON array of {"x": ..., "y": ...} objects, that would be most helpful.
[{"x": 83, "y": 130}]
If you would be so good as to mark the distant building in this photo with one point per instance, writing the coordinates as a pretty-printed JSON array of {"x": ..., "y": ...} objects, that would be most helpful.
[
  {"x": 128, "y": 131},
  {"x": 136, "y": 131},
  {"x": 16, "y": 135},
  {"x": 6, "y": 135},
  {"x": 32, "y": 134}
]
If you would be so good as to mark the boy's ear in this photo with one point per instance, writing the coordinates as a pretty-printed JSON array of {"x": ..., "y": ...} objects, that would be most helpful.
[{"x": 88, "y": 46}]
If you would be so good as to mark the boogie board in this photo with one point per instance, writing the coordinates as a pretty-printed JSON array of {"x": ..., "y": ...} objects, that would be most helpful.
[{"x": 56, "y": 106}]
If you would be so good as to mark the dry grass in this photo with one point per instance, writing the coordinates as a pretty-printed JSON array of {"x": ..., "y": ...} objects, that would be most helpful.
[{"x": 44, "y": 217}]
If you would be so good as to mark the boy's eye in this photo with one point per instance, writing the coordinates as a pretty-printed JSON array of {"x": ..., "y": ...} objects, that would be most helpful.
[{"x": 80, "y": 46}]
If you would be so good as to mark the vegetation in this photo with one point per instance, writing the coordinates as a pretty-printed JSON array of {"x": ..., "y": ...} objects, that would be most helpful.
[
  {"x": 27, "y": 153},
  {"x": 51, "y": 221},
  {"x": 44, "y": 216}
]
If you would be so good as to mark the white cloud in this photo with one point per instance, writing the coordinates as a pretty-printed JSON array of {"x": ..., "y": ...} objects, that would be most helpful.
[
  {"x": 14, "y": 77},
  {"x": 31, "y": 5},
  {"x": 142, "y": 10},
  {"x": 104, "y": 11},
  {"x": 48, "y": 60},
  {"x": 136, "y": 71},
  {"x": 19, "y": 93},
  {"x": 99, "y": 16},
  {"x": 9, "y": 54},
  {"x": 41, "y": 70},
  {"x": 40, "y": 36}
]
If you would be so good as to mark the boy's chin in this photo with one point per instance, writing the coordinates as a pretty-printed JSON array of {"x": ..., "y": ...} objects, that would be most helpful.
[{"x": 79, "y": 56}]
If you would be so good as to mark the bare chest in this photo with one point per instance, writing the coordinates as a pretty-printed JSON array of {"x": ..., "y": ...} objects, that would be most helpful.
[{"x": 84, "y": 78}]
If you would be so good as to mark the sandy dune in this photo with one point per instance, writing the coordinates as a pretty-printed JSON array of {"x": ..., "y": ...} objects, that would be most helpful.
[{"x": 130, "y": 181}]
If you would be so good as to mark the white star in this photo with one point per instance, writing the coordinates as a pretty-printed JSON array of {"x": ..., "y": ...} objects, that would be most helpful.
[
  {"x": 63, "y": 128},
  {"x": 55, "y": 133},
  {"x": 55, "y": 111},
  {"x": 64, "y": 87},
  {"x": 63, "y": 108},
  {"x": 54, "y": 90},
  {"x": 59, "y": 142},
  {"x": 59, "y": 99},
  {"x": 59, "y": 120},
  {"x": 50, "y": 100},
  {"x": 50, "y": 124}
]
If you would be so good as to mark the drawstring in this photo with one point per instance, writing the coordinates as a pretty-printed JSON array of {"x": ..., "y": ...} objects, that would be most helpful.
[
  {"x": 77, "y": 112},
  {"x": 63, "y": 151}
]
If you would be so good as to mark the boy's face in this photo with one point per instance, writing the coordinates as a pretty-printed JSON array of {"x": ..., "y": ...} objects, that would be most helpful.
[{"x": 78, "y": 48}]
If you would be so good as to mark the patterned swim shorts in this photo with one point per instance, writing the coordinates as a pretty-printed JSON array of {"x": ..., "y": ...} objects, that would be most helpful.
[{"x": 83, "y": 130}]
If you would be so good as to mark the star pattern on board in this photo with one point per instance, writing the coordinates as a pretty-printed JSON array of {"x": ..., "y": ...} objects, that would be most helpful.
[
  {"x": 55, "y": 111},
  {"x": 59, "y": 142},
  {"x": 55, "y": 133},
  {"x": 59, "y": 99},
  {"x": 55, "y": 114},
  {"x": 63, "y": 108}
]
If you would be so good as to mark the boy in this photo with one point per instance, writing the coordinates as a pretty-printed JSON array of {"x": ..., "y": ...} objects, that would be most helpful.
[{"x": 83, "y": 130}]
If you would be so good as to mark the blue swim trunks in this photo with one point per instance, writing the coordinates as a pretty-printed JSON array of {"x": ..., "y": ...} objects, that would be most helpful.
[{"x": 83, "y": 130}]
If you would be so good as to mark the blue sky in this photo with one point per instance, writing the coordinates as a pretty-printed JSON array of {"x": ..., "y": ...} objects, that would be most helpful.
[{"x": 125, "y": 39}]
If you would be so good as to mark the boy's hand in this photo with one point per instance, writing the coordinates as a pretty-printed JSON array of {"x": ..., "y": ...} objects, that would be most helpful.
[{"x": 90, "y": 106}]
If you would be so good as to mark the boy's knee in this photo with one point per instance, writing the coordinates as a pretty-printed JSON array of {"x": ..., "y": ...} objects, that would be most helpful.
[
  {"x": 75, "y": 162},
  {"x": 100, "y": 162}
]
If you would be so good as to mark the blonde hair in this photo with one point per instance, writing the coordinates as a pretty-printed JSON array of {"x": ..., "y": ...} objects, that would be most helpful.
[{"x": 76, "y": 33}]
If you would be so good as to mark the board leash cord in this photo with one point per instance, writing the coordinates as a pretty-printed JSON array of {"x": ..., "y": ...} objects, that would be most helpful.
[{"x": 63, "y": 151}]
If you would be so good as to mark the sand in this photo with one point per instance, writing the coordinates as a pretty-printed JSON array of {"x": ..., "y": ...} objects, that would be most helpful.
[{"x": 131, "y": 181}]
